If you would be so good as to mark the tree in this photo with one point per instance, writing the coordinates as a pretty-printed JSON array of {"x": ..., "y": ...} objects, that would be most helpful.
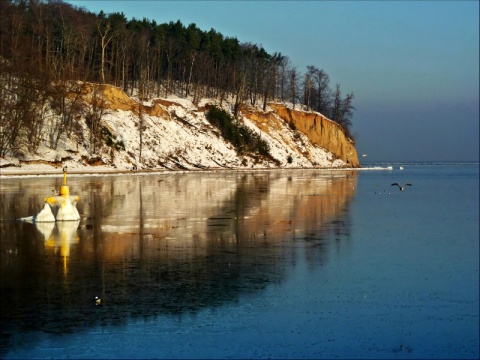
[
  {"x": 106, "y": 35},
  {"x": 346, "y": 113},
  {"x": 193, "y": 45},
  {"x": 15, "y": 106},
  {"x": 342, "y": 110},
  {"x": 94, "y": 116},
  {"x": 308, "y": 88},
  {"x": 116, "y": 50},
  {"x": 323, "y": 94},
  {"x": 67, "y": 104},
  {"x": 293, "y": 85},
  {"x": 271, "y": 78},
  {"x": 283, "y": 74},
  {"x": 141, "y": 128}
]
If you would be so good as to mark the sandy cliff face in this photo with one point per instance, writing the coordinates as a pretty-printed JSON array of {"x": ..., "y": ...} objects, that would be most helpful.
[
  {"x": 175, "y": 134},
  {"x": 321, "y": 131}
]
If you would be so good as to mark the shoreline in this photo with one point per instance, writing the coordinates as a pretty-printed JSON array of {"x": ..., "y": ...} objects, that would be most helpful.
[
  {"x": 26, "y": 172},
  {"x": 31, "y": 171}
]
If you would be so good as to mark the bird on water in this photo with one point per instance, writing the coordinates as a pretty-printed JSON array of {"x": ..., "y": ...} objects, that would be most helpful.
[{"x": 401, "y": 187}]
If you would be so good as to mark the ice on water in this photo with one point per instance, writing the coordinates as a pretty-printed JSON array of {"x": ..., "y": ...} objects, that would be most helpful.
[
  {"x": 45, "y": 215},
  {"x": 67, "y": 212},
  {"x": 46, "y": 229},
  {"x": 62, "y": 209}
]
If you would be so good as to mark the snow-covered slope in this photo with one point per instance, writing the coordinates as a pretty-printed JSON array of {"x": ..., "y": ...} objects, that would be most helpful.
[{"x": 176, "y": 136}]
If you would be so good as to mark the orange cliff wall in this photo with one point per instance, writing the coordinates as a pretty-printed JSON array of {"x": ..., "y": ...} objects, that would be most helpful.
[
  {"x": 321, "y": 131},
  {"x": 115, "y": 98}
]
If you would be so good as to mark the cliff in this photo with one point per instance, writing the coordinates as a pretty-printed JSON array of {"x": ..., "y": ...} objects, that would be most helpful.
[
  {"x": 321, "y": 131},
  {"x": 173, "y": 133}
]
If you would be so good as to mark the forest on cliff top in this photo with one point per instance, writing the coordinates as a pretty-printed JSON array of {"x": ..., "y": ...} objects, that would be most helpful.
[{"x": 48, "y": 47}]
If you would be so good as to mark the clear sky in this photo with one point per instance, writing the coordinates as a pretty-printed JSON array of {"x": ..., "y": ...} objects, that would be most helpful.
[{"x": 412, "y": 65}]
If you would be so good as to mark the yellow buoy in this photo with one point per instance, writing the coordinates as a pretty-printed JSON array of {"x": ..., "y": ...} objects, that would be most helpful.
[
  {"x": 63, "y": 204},
  {"x": 64, "y": 190}
]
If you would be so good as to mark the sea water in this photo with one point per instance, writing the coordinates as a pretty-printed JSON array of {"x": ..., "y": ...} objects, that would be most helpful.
[{"x": 263, "y": 264}]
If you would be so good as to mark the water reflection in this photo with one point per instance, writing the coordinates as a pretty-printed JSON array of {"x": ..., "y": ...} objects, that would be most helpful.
[{"x": 162, "y": 244}]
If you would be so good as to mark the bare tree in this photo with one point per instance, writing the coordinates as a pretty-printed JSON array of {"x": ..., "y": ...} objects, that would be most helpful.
[
  {"x": 193, "y": 44},
  {"x": 106, "y": 35},
  {"x": 336, "y": 105},
  {"x": 240, "y": 79},
  {"x": 141, "y": 124},
  {"x": 323, "y": 92},
  {"x": 270, "y": 83},
  {"x": 94, "y": 116},
  {"x": 342, "y": 110},
  {"x": 13, "y": 107},
  {"x": 67, "y": 104},
  {"x": 35, "y": 121},
  {"x": 284, "y": 66},
  {"x": 293, "y": 85},
  {"x": 308, "y": 87}
]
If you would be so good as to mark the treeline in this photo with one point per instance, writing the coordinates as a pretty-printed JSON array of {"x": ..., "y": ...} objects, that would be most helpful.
[{"x": 46, "y": 45}]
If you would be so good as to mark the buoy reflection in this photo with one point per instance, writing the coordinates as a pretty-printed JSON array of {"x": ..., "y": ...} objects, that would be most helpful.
[{"x": 59, "y": 236}]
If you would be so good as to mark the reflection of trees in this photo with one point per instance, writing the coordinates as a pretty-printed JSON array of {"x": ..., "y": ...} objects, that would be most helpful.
[{"x": 168, "y": 245}]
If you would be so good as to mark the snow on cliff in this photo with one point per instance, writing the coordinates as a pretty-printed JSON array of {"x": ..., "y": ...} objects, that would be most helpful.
[{"x": 176, "y": 136}]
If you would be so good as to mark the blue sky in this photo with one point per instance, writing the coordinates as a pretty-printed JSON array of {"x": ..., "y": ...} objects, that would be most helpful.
[{"x": 412, "y": 65}]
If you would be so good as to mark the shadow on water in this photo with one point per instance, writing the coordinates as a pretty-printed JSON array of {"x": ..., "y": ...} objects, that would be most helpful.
[{"x": 161, "y": 244}]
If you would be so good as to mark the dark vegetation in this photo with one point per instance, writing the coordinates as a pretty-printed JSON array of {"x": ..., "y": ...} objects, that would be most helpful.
[
  {"x": 49, "y": 48},
  {"x": 241, "y": 137}
]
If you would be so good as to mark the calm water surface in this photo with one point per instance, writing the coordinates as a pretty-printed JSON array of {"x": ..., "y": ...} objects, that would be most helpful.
[{"x": 278, "y": 264}]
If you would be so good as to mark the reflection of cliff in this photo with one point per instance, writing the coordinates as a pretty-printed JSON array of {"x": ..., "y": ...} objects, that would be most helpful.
[
  {"x": 151, "y": 245},
  {"x": 189, "y": 212},
  {"x": 293, "y": 204},
  {"x": 232, "y": 231}
]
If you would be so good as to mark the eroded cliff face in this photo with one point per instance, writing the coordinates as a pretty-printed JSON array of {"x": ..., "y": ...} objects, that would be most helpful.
[
  {"x": 114, "y": 98},
  {"x": 174, "y": 133},
  {"x": 321, "y": 131}
]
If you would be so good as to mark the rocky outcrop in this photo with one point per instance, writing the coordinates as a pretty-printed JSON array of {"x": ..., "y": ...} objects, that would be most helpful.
[{"x": 321, "y": 131}]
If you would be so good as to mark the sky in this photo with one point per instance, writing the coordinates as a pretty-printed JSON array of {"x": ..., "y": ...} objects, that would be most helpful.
[{"x": 413, "y": 66}]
